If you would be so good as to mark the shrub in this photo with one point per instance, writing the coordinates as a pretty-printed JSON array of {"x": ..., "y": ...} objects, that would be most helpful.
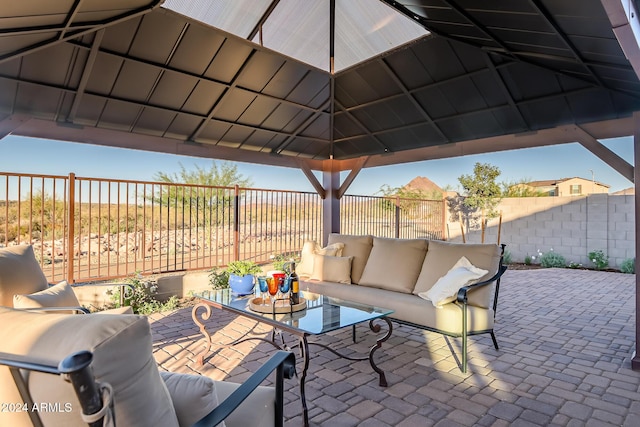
[
  {"x": 141, "y": 296},
  {"x": 280, "y": 260},
  {"x": 599, "y": 259},
  {"x": 219, "y": 279},
  {"x": 552, "y": 259},
  {"x": 574, "y": 264},
  {"x": 506, "y": 258},
  {"x": 527, "y": 260},
  {"x": 628, "y": 266}
]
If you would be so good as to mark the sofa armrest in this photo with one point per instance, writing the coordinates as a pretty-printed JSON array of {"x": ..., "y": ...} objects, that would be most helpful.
[
  {"x": 283, "y": 361},
  {"x": 462, "y": 293}
]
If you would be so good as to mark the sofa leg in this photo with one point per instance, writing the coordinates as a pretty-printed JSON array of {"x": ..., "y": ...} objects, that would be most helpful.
[
  {"x": 464, "y": 353},
  {"x": 464, "y": 338},
  {"x": 495, "y": 342}
]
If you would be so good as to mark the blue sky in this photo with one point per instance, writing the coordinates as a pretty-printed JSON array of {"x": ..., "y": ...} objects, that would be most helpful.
[{"x": 36, "y": 156}]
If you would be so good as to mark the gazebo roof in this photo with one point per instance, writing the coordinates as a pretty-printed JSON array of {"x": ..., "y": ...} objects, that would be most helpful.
[{"x": 484, "y": 76}]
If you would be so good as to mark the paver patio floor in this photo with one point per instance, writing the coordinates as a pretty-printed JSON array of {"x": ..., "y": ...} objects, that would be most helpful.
[{"x": 566, "y": 339}]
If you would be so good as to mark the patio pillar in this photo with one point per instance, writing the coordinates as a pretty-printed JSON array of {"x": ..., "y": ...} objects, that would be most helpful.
[
  {"x": 635, "y": 361},
  {"x": 331, "y": 201}
]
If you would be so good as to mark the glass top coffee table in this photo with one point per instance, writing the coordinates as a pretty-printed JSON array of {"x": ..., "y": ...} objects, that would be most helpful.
[{"x": 322, "y": 314}]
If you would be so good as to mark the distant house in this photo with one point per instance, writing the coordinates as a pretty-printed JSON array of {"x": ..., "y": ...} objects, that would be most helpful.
[
  {"x": 626, "y": 192},
  {"x": 575, "y": 186}
]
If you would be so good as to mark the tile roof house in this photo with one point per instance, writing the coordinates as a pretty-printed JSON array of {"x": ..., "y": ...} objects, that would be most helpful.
[{"x": 574, "y": 186}]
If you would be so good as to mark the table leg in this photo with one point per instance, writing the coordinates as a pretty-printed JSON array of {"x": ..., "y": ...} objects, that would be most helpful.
[
  {"x": 204, "y": 316},
  {"x": 376, "y": 328},
  {"x": 304, "y": 349}
]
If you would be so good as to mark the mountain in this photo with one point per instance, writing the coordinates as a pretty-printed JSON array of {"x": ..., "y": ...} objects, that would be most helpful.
[{"x": 424, "y": 184}]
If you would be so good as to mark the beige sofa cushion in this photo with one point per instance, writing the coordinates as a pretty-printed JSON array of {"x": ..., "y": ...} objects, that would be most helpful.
[
  {"x": 20, "y": 273},
  {"x": 332, "y": 268},
  {"x": 60, "y": 295},
  {"x": 311, "y": 248},
  {"x": 121, "y": 346},
  {"x": 394, "y": 264},
  {"x": 358, "y": 247},
  {"x": 443, "y": 255}
]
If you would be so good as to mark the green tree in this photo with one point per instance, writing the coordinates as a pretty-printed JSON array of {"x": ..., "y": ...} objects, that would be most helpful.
[
  {"x": 224, "y": 175},
  {"x": 482, "y": 191},
  {"x": 207, "y": 195},
  {"x": 408, "y": 197}
]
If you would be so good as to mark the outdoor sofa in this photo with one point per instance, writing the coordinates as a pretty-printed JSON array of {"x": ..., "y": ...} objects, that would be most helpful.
[{"x": 448, "y": 288}]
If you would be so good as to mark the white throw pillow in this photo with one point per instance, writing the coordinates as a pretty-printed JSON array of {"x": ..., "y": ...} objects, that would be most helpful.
[
  {"x": 446, "y": 288},
  {"x": 332, "y": 268},
  {"x": 311, "y": 248}
]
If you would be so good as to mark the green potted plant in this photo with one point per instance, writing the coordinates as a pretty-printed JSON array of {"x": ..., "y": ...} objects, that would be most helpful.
[{"x": 241, "y": 276}]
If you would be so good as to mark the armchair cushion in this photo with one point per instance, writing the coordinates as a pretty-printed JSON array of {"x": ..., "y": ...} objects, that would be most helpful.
[
  {"x": 193, "y": 396},
  {"x": 258, "y": 410},
  {"x": 142, "y": 398},
  {"x": 60, "y": 295},
  {"x": 20, "y": 273}
]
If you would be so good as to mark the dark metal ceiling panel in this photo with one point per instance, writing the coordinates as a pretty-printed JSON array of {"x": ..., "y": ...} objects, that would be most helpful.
[
  {"x": 204, "y": 96},
  {"x": 234, "y": 104},
  {"x": 318, "y": 128},
  {"x": 156, "y": 38},
  {"x": 236, "y": 136},
  {"x": 90, "y": 110},
  {"x": 41, "y": 102},
  {"x": 490, "y": 68},
  {"x": 28, "y": 26},
  {"x": 228, "y": 60},
  {"x": 213, "y": 132},
  {"x": 154, "y": 121},
  {"x": 259, "y": 139},
  {"x": 313, "y": 90},
  {"x": 286, "y": 79},
  {"x": 119, "y": 115},
  {"x": 135, "y": 81},
  {"x": 353, "y": 148},
  {"x": 173, "y": 90},
  {"x": 197, "y": 46},
  {"x": 258, "y": 111},
  {"x": 259, "y": 71},
  {"x": 104, "y": 74},
  {"x": 281, "y": 117},
  {"x": 182, "y": 126},
  {"x": 344, "y": 127}
]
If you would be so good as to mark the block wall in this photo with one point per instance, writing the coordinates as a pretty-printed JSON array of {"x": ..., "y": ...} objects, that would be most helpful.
[{"x": 572, "y": 226}]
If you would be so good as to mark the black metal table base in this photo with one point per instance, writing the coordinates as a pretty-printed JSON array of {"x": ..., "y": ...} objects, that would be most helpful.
[{"x": 303, "y": 345}]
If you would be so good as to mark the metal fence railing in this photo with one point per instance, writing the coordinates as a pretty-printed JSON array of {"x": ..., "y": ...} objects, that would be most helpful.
[
  {"x": 85, "y": 229},
  {"x": 393, "y": 217}
]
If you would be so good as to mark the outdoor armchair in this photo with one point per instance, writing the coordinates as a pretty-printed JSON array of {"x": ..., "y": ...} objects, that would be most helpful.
[
  {"x": 120, "y": 349},
  {"x": 23, "y": 285}
]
